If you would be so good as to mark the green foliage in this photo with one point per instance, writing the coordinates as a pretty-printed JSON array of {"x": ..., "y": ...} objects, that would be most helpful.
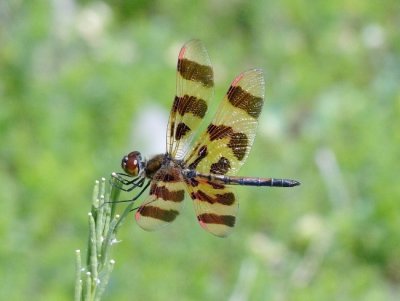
[{"x": 75, "y": 79}]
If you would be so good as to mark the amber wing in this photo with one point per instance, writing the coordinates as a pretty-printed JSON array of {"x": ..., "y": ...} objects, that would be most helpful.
[
  {"x": 215, "y": 205},
  {"x": 222, "y": 150},
  {"x": 165, "y": 199},
  {"x": 194, "y": 89}
]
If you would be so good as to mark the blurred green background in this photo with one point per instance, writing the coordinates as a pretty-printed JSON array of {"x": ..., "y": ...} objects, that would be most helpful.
[{"x": 84, "y": 82}]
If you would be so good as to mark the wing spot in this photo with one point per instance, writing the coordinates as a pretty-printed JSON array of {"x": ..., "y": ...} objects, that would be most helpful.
[
  {"x": 162, "y": 192},
  {"x": 158, "y": 213},
  {"x": 201, "y": 154},
  {"x": 193, "y": 182},
  {"x": 181, "y": 130},
  {"x": 216, "y": 185},
  {"x": 221, "y": 167},
  {"x": 239, "y": 143},
  {"x": 190, "y": 104},
  {"x": 242, "y": 99},
  {"x": 224, "y": 199},
  {"x": 210, "y": 218},
  {"x": 218, "y": 131},
  {"x": 193, "y": 71}
]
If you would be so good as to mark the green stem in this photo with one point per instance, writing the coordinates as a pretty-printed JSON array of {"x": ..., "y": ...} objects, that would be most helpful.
[{"x": 103, "y": 228}]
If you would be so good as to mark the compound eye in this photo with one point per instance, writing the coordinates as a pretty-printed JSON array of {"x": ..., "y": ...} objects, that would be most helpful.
[{"x": 132, "y": 163}]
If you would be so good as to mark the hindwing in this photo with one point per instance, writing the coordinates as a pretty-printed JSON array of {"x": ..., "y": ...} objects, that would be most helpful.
[
  {"x": 215, "y": 205},
  {"x": 163, "y": 204}
]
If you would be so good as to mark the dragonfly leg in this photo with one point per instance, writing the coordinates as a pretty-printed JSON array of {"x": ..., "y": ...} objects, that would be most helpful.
[
  {"x": 136, "y": 196},
  {"x": 136, "y": 182}
]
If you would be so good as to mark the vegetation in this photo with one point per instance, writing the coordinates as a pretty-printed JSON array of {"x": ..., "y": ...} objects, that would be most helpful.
[{"x": 84, "y": 82}]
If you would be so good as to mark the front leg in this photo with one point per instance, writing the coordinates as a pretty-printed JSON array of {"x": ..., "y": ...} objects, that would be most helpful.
[{"x": 133, "y": 183}]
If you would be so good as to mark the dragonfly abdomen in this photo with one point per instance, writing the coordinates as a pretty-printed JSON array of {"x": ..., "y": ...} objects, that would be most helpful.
[
  {"x": 251, "y": 181},
  {"x": 248, "y": 181}
]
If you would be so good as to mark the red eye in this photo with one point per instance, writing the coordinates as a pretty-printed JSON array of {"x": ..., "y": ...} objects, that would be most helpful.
[{"x": 132, "y": 163}]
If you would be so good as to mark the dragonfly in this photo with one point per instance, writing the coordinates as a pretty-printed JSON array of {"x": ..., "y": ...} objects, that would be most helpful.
[{"x": 204, "y": 167}]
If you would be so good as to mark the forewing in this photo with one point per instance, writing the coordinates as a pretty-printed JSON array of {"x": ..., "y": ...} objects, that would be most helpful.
[
  {"x": 194, "y": 89},
  {"x": 164, "y": 203},
  {"x": 226, "y": 143},
  {"x": 215, "y": 205}
]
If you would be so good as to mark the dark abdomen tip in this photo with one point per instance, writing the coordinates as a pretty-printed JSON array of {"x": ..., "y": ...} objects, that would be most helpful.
[{"x": 290, "y": 183}]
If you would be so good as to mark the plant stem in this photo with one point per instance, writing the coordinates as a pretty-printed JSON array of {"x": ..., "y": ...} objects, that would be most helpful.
[{"x": 103, "y": 228}]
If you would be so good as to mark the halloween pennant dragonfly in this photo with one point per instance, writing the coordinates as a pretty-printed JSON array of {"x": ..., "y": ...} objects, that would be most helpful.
[{"x": 205, "y": 168}]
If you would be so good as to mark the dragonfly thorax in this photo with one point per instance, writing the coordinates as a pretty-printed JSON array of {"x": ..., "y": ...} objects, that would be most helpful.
[{"x": 154, "y": 164}]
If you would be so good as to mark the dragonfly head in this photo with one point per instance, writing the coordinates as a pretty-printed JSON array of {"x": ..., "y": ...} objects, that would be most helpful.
[{"x": 133, "y": 164}]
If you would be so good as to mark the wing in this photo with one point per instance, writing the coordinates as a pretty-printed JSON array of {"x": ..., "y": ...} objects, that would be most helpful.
[
  {"x": 194, "y": 89},
  {"x": 226, "y": 143},
  {"x": 164, "y": 202},
  {"x": 215, "y": 205}
]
